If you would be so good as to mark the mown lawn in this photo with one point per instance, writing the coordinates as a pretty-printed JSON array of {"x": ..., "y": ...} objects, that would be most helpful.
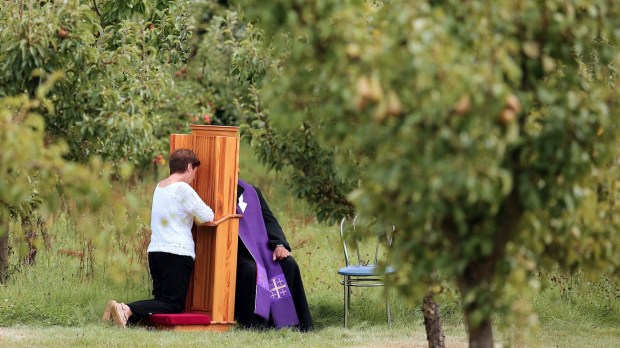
[{"x": 564, "y": 335}]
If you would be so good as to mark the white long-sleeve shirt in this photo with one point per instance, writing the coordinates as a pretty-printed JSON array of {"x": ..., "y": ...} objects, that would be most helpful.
[{"x": 174, "y": 209}]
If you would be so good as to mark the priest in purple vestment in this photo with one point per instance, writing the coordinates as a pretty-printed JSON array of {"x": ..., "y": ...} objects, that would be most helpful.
[{"x": 270, "y": 291}]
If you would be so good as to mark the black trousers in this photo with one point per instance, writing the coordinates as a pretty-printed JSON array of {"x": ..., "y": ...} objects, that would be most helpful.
[
  {"x": 170, "y": 274},
  {"x": 245, "y": 294}
]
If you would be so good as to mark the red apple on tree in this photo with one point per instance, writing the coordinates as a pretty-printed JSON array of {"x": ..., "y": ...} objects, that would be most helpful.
[
  {"x": 158, "y": 159},
  {"x": 62, "y": 33},
  {"x": 507, "y": 116}
]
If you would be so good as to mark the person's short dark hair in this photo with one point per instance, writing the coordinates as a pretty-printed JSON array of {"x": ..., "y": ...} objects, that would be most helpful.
[{"x": 180, "y": 158}]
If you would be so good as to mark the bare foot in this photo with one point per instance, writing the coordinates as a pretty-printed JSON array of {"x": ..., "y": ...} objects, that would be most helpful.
[
  {"x": 107, "y": 313},
  {"x": 119, "y": 316}
]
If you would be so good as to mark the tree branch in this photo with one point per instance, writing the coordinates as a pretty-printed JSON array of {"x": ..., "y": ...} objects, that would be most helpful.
[{"x": 96, "y": 8}]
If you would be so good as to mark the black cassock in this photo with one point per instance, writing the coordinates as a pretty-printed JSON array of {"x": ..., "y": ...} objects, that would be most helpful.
[{"x": 245, "y": 292}]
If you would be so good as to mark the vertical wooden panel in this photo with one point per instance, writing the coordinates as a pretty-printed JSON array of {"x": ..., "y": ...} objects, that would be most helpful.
[
  {"x": 202, "y": 297},
  {"x": 180, "y": 141},
  {"x": 212, "y": 288},
  {"x": 205, "y": 183},
  {"x": 224, "y": 270}
]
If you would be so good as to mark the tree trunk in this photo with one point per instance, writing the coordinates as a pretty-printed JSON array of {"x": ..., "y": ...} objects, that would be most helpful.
[
  {"x": 28, "y": 225},
  {"x": 480, "y": 336},
  {"x": 4, "y": 249},
  {"x": 432, "y": 323},
  {"x": 476, "y": 279},
  {"x": 479, "y": 275}
]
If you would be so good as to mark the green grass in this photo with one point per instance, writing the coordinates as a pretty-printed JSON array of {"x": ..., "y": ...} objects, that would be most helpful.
[
  {"x": 58, "y": 301},
  {"x": 100, "y": 336}
]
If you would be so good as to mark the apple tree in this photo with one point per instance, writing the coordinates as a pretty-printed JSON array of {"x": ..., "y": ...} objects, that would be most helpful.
[
  {"x": 487, "y": 131},
  {"x": 231, "y": 62},
  {"x": 82, "y": 82},
  {"x": 34, "y": 176},
  {"x": 117, "y": 59}
]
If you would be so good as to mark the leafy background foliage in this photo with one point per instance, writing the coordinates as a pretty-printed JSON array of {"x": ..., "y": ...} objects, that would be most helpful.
[{"x": 117, "y": 60}]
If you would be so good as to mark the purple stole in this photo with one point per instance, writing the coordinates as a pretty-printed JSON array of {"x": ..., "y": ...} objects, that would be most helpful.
[{"x": 272, "y": 292}]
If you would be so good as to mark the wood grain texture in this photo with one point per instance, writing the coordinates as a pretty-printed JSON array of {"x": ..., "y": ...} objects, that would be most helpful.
[{"x": 212, "y": 285}]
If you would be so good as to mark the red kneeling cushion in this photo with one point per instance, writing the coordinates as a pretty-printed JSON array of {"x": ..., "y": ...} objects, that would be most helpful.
[{"x": 181, "y": 319}]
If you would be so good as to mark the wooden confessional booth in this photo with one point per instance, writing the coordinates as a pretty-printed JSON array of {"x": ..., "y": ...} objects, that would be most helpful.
[{"x": 212, "y": 285}]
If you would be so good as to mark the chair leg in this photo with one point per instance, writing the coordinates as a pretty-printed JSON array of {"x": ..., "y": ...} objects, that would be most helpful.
[
  {"x": 387, "y": 307},
  {"x": 347, "y": 300},
  {"x": 349, "y": 293}
]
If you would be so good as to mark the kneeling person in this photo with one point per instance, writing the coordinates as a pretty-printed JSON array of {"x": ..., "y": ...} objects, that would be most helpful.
[{"x": 171, "y": 252}]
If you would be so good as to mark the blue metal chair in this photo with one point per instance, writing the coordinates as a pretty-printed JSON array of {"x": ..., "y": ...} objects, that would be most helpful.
[{"x": 364, "y": 272}]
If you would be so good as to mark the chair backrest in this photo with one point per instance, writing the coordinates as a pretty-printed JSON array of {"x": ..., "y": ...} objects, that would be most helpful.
[{"x": 358, "y": 232}]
